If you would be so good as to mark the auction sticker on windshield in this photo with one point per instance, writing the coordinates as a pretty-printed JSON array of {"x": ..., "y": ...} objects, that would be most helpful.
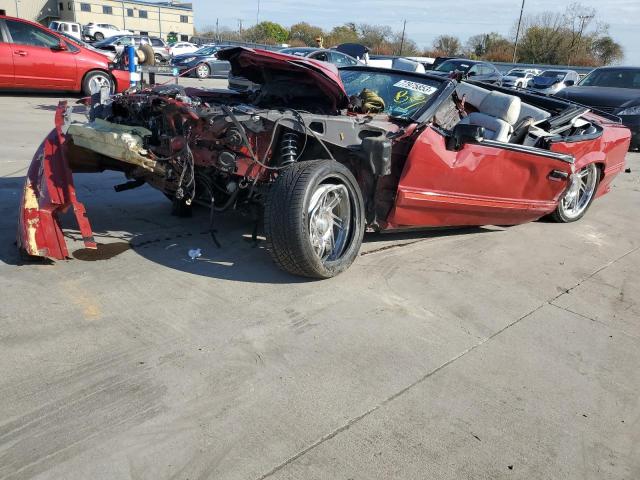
[{"x": 416, "y": 87}]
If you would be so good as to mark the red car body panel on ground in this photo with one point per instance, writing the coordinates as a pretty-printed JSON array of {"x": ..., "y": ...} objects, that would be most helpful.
[
  {"x": 27, "y": 67},
  {"x": 48, "y": 192}
]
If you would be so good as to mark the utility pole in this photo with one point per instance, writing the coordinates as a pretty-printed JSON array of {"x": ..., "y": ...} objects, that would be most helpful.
[
  {"x": 515, "y": 45},
  {"x": 404, "y": 26},
  {"x": 217, "y": 29},
  {"x": 258, "y": 14},
  {"x": 240, "y": 26},
  {"x": 583, "y": 20}
]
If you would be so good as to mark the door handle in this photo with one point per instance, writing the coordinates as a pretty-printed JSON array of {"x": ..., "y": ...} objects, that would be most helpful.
[{"x": 22, "y": 53}]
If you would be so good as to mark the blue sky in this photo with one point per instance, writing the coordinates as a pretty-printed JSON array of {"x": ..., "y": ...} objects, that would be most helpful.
[{"x": 425, "y": 19}]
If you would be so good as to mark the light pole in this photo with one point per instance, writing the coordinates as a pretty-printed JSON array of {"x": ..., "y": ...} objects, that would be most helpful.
[
  {"x": 515, "y": 45},
  {"x": 258, "y": 13},
  {"x": 404, "y": 26}
]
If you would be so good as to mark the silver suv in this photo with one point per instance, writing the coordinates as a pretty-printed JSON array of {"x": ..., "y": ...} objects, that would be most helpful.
[{"x": 160, "y": 47}]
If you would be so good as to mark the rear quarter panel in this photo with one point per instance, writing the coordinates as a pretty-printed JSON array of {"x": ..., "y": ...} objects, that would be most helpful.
[{"x": 608, "y": 151}]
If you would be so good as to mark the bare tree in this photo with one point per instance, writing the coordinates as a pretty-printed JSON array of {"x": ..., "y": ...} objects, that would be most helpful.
[{"x": 447, "y": 45}]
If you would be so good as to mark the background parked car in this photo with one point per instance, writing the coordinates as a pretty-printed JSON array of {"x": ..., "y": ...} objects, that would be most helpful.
[
  {"x": 101, "y": 31},
  {"x": 552, "y": 81},
  {"x": 160, "y": 48},
  {"x": 518, "y": 77},
  {"x": 479, "y": 71},
  {"x": 613, "y": 90},
  {"x": 439, "y": 60},
  {"x": 34, "y": 57},
  {"x": 203, "y": 62},
  {"x": 69, "y": 28},
  {"x": 179, "y": 48},
  {"x": 339, "y": 59}
]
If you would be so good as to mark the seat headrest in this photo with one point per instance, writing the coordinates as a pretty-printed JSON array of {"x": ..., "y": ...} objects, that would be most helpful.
[{"x": 502, "y": 106}]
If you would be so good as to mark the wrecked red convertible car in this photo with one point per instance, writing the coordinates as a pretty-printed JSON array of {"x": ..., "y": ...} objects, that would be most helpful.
[{"x": 319, "y": 156}]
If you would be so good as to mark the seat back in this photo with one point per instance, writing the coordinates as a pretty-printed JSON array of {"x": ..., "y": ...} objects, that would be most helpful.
[{"x": 497, "y": 113}]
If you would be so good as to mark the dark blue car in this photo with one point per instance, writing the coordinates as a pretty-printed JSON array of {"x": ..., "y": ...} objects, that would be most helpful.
[{"x": 203, "y": 63}]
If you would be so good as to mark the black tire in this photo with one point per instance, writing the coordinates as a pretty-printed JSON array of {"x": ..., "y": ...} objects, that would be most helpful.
[
  {"x": 202, "y": 70},
  {"x": 561, "y": 216},
  {"x": 98, "y": 37},
  {"x": 91, "y": 78},
  {"x": 158, "y": 58},
  {"x": 286, "y": 218}
]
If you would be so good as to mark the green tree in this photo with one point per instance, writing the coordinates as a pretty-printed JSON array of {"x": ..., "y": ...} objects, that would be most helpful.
[
  {"x": 267, "y": 32},
  {"x": 342, "y": 34},
  {"x": 607, "y": 51},
  {"x": 305, "y": 33}
]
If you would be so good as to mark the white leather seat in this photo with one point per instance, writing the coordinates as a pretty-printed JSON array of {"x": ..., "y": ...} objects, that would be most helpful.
[{"x": 497, "y": 113}]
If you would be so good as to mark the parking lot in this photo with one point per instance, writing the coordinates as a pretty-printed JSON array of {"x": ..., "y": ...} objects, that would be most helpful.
[{"x": 482, "y": 353}]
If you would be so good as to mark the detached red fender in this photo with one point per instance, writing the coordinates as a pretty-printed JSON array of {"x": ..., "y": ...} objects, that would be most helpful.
[{"x": 49, "y": 191}]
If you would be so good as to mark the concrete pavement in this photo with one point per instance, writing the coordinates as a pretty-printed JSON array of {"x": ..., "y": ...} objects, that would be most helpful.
[{"x": 478, "y": 353}]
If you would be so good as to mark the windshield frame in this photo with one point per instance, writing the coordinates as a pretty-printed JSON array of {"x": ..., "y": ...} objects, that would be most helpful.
[{"x": 430, "y": 105}]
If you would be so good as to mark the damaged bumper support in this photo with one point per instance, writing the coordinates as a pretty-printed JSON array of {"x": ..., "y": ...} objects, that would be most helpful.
[{"x": 48, "y": 192}]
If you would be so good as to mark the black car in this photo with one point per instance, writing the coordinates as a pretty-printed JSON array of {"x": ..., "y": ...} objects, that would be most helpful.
[
  {"x": 203, "y": 63},
  {"x": 613, "y": 90},
  {"x": 478, "y": 71},
  {"x": 438, "y": 61}
]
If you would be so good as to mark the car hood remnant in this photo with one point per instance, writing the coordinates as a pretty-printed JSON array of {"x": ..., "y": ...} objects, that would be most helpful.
[{"x": 280, "y": 73}]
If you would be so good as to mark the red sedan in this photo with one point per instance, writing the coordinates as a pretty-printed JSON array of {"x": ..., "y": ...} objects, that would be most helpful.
[{"x": 34, "y": 57}]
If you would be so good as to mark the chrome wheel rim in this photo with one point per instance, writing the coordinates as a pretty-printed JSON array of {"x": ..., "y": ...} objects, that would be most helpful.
[
  {"x": 96, "y": 82},
  {"x": 581, "y": 190},
  {"x": 329, "y": 221},
  {"x": 202, "y": 71}
]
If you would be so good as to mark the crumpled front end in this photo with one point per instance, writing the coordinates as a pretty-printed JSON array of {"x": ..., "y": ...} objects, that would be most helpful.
[{"x": 48, "y": 192}]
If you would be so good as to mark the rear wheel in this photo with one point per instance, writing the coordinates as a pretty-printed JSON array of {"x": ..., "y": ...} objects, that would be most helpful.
[
  {"x": 577, "y": 200},
  {"x": 94, "y": 81},
  {"x": 98, "y": 36},
  {"x": 314, "y": 220},
  {"x": 203, "y": 70},
  {"x": 158, "y": 58}
]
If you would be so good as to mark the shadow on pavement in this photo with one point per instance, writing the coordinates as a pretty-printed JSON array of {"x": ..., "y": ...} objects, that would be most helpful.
[{"x": 140, "y": 221}]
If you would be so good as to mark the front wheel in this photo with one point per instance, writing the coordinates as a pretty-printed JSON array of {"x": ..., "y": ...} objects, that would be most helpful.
[
  {"x": 314, "y": 219},
  {"x": 98, "y": 36},
  {"x": 577, "y": 199},
  {"x": 94, "y": 81},
  {"x": 203, "y": 70}
]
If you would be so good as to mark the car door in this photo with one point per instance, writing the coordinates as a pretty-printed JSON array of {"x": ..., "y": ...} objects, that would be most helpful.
[
  {"x": 484, "y": 183},
  {"x": 37, "y": 62},
  {"x": 7, "y": 78}
]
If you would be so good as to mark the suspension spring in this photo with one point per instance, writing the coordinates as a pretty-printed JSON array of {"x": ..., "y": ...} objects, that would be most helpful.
[{"x": 288, "y": 148}]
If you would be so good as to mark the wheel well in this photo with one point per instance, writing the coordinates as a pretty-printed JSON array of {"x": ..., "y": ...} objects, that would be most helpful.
[{"x": 600, "y": 166}]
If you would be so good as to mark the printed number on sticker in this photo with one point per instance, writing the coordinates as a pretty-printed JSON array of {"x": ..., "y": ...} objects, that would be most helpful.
[{"x": 416, "y": 87}]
